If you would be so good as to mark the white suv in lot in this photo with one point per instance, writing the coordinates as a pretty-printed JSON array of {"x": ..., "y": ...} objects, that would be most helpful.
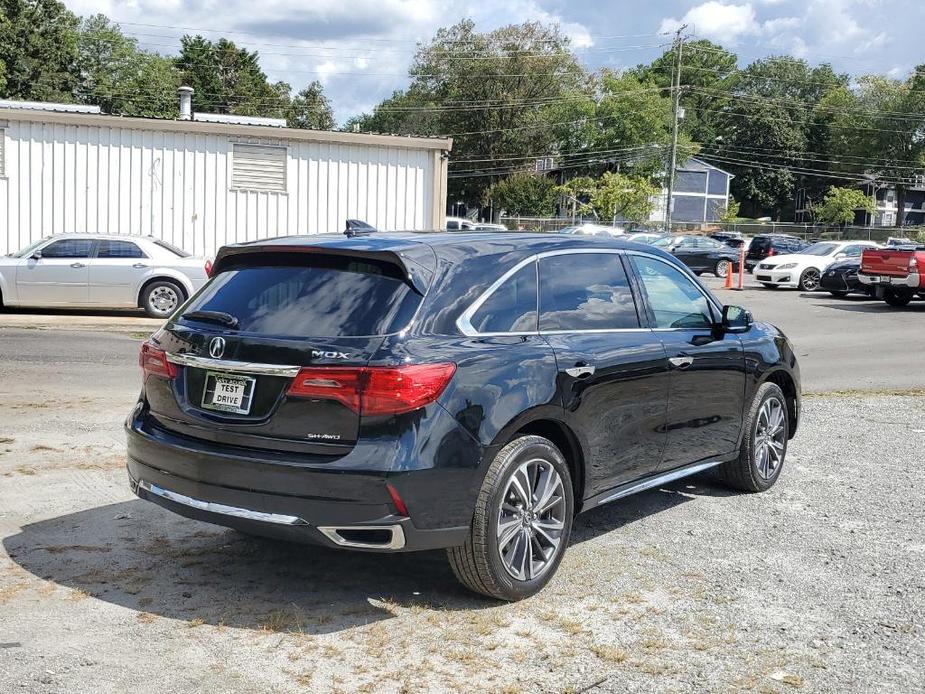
[
  {"x": 803, "y": 270},
  {"x": 94, "y": 271}
]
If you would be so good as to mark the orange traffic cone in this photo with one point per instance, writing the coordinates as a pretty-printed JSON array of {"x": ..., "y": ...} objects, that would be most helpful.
[{"x": 728, "y": 284}]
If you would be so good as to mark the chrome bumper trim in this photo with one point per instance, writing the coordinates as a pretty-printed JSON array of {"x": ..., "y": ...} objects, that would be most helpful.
[
  {"x": 665, "y": 478},
  {"x": 213, "y": 507},
  {"x": 397, "y": 541},
  {"x": 911, "y": 281},
  {"x": 242, "y": 367}
]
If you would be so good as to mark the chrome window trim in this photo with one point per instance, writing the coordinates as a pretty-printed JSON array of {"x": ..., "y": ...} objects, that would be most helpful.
[
  {"x": 242, "y": 367},
  {"x": 464, "y": 321}
]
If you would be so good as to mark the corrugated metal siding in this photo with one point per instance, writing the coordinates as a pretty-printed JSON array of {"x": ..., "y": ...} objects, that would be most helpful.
[{"x": 180, "y": 186}]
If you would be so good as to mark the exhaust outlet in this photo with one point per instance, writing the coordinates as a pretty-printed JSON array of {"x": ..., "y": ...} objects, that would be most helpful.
[{"x": 366, "y": 536}]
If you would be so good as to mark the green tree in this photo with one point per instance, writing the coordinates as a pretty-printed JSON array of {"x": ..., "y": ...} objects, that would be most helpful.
[
  {"x": 524, "y": 194},
  {"x": 708, "y": 74},
  {"x": 228, "y": 79},
  {"x": 38, "y": 49},
  {"x": 840, "y": 204},
  {"x": 881, "y": 124},
  {"x": 613, "y": 196},
  {"x": 730, "y": 212},
  {"x": 310, "y": 108},
  {"x": 120, "y": 78},
  {"x": 494, "y": 92}
]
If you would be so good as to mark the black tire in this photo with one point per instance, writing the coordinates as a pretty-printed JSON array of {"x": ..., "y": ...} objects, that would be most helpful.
[
  {"x": 161, "y": 298},
  {"x": 809, "y": 280},
  {"x": 723, "y": 268},
  {"x": 898, "y": 297},
  {"x": 697, "y": 272},
  {"x": 478, "y": 564},
  {"x": 838, "y": 295},
  {"x": 745, "y": 473}
]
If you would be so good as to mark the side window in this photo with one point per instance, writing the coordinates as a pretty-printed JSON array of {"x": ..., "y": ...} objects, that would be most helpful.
[
  {"x": 673, "y": 298},
  {"x": 119, "y": 249},
  {"x": 585, "y": 291},
  {"x": 853, "y": 251},
  {"x": 511, "y": 307},
  {"x": 68, "y": 248},
  {"x": 452, "y": 226}
]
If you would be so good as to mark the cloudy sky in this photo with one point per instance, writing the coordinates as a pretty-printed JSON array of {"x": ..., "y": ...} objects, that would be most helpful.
[{"x": 360, "y": 49}]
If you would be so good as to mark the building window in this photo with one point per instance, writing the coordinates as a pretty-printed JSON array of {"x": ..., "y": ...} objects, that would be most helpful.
[{"x": 258, "y": 167}]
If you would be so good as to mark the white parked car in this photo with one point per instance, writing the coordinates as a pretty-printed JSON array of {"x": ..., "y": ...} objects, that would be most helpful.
[
  {"x": 460, "y": 224},
  {"x": 94, "y": 271},
  {"x": 803, "y": 270},
  {"x": 593, "y": 230}
]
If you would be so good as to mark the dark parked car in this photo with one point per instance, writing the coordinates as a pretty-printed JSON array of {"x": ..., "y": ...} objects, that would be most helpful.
[
  {"x": 730, "y": 238},
  {"x": 466, "y": 391},
  {"x": 841, "y": 278},
  {"x": 767, "y": 245},
  {"x": 701, "y": 254}
]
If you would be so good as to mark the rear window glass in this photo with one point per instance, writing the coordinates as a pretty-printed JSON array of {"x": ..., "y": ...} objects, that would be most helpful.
[
  {"x": 326, "y": 296},
  {"x": 179, "y": 252},
  {"x": 511, "y": 307}
]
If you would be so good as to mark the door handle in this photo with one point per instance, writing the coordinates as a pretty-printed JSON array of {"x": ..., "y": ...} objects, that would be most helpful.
[
  {"x": 580, "y": 370},
  {"x": 138, "y": 266},
  {"x": 681, "y": 362},
  {"x": 78, "y": 265}
]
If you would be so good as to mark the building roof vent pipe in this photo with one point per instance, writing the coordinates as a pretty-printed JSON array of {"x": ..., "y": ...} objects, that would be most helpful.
[{"x": 186, "y": 102}]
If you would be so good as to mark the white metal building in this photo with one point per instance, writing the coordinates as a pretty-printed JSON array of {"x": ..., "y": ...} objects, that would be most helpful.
[{"x": 199, "y": 183}]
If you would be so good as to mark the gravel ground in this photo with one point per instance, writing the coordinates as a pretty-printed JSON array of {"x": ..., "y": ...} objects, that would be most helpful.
[{"x": 817, "y": 585}]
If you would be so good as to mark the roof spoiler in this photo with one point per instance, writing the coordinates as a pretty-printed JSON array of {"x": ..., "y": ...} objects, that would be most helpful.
[{"x": 417, "y": 275}]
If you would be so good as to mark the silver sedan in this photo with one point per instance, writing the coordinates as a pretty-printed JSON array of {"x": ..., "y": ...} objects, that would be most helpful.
[{"x": 94, "y": 271}]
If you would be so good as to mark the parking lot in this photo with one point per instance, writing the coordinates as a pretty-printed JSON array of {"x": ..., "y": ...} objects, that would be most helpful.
[{"x": 815, "y": 586}]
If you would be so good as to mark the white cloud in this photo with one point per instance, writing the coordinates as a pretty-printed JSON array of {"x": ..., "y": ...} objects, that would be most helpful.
[{"x": 718, "y": 21}]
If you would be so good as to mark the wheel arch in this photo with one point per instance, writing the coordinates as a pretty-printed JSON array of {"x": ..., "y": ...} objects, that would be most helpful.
[
  {"x": 783, "y": 380},
  {"x": 560, "y": 434}
]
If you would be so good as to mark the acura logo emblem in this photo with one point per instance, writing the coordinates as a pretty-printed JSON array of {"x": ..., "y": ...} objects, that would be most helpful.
[{"x": 217, "y": 347}]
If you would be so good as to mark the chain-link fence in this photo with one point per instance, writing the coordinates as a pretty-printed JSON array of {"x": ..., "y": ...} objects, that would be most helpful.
[{"x": 750, "y": 228}]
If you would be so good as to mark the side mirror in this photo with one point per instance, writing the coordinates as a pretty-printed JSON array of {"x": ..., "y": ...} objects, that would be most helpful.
[
  {"x": 37, "y": 255},
  {"x": 736, "y": 319}
]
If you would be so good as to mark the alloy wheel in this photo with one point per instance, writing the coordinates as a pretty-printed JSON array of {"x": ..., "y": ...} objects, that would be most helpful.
[
  {"x": 810, "y": 280},
  {"x": 722, "y": 268},
  {"x": 770, "y": 437},
  {"x": 164, "y": 300},
  {"x": 531, "y": 519}
]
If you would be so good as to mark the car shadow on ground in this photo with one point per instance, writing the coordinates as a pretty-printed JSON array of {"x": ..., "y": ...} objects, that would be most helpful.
[
  {"x": 136, "y": 555},
  {"x": 76, "y": 312},
  {"x": 863, "y": 304}
]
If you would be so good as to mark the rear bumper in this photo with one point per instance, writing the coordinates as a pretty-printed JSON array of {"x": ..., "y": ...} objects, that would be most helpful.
[
  {"x": 911, "y": 281},
  {"x": 334, "y": 507}
]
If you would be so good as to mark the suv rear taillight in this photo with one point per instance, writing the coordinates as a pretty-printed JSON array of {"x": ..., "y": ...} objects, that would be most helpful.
[
  {"x": 913, "y": 263},
  {"x": 208, "y": 268},
  {"x": 771, "y": 251},
  {"x": 374, "y": 390},
  {"x": 153, "y": 362}
]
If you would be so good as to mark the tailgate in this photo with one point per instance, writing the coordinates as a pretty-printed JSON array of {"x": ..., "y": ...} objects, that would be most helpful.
[{"x": 886, "y": 261}]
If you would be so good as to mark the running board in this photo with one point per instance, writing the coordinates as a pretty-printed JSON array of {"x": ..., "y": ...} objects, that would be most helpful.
[{"x": 659, "y": 480}]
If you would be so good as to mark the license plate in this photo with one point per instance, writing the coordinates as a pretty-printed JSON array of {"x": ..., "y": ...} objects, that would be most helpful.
[
  {"x": 228, "y": 393},
  {"x": 884, "y": 279}
]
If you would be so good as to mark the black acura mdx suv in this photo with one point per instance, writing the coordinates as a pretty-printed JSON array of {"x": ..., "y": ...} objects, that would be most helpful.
[{"x": 474, "y": 392}]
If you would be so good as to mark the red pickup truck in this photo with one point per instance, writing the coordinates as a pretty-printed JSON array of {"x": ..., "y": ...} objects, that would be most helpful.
[{"x": 895, "y": 274}]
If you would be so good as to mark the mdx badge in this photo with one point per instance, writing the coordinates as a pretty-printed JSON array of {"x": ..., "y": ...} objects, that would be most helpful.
[
  {"x": 319, "y": 354},
  {"x": 217, "y": 347}
]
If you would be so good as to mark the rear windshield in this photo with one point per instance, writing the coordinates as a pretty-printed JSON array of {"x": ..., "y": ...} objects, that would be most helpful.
[
  {"x": 324, "y": 296},
  {"x": 173, "y": 249}
]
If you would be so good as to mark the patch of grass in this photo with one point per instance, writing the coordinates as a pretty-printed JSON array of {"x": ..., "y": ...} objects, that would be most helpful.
[
  {"x": 8, "y": 593},
  {"x": 197, "y": 622},
  {"x": 145, "y": 617},
  {"x": 283, "y": 620},
  {"x": 609, "y": 653},
  {"x": 856, "y": 392}
]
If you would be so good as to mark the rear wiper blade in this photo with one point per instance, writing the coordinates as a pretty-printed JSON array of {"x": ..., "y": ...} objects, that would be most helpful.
[{"x": 212, "y": 317}]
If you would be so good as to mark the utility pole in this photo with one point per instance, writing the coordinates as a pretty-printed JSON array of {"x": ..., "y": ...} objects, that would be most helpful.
[{"x": 676, "y": 97}]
